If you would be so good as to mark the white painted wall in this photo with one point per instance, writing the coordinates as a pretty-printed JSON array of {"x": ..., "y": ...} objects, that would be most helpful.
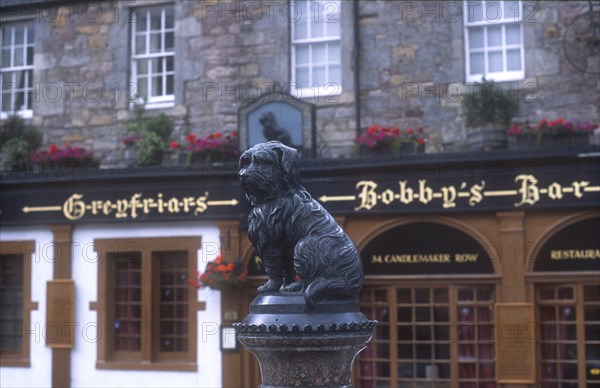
[
  {"x": 39, "y": 374},
  {"x": 85, "y": 273}
]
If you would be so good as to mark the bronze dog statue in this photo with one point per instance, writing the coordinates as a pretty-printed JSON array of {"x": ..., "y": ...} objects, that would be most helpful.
[
  {"x": 272, "y": 130},
  {"x": 292, "y": 233}
]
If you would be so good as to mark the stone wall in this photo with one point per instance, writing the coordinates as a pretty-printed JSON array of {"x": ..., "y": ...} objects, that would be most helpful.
[{"x": 411, "y": 69}]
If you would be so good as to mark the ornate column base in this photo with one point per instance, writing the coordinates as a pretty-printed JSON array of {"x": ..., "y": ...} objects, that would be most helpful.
[{"x": 300, "y": 347}]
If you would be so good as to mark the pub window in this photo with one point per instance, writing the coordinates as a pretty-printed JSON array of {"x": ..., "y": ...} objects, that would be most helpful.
[
  {"x": 419, "y": 331},
  {"x": 493, "y": 34},
  {"x": 16, "y": 72},
  {"x": 569, "y": 335},
  {"x": 150, "y": 308},
  {"x": 15, "y": 303},
  {"x": 153, "y": 55},
  {"x": 316, "y": 48}
]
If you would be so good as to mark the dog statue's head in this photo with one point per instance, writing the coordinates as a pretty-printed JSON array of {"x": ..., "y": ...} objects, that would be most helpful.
[{"x": 268, "y": 170}]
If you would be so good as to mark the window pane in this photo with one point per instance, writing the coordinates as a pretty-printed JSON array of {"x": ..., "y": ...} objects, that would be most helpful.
[
  {"x": 126, "y": 284},
  {"x": 142, "y": 66},
  {"x": 18, "y": 58},
  {"x": 155, "y": 15},
  {"x": 513, "y": 34},
  {"x": 494, "y": 36},
  {"x": 335, "y": 75},
  {"x": 29, "y": 60},
  {"x": 513, "y": 59},
  {"x": 6, "y": 36},
  {"x": 495, "y": 61},
  {"x": 511, "y": 11},
  {"x": 11, "y": 303},
  {"x": 140, "y": 44},
  {"x": 302, "y": 54},
  {"x": 30, "y": 34},
  {"x": 170, "y": 63},
  {"x": 155, "y": 45},
  {"x": 157, "y": 86},
  {"x": 19, "y": 35},
  {"x": 173, "y": 325},
  {"x": 302, "y": 77},
  {"x": 169, "y": 17},
  {"x": 141, "y": 87},
  {"x": 318, "y": 53},
  {"x": 140, "y": 16},
  {"x": 591, "y": 293},
  {"x": 333, "y": 52},
  {"x": 476, "y": 37},
  {"x": 169, "y": 41},
  {"x": 319, "y": 79},
  {"x": 493, "y": 11},
  {"x": 300, "y": 28},
  {"x": 6, "y": 58},
  {"x": 474, "y": 11}
]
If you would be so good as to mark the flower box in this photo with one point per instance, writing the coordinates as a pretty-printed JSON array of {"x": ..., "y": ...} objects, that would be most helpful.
[
  {"x": 381, "y": 140},
  {"x": 555, "y": 134},
  {"x": 213, "y": 148}
]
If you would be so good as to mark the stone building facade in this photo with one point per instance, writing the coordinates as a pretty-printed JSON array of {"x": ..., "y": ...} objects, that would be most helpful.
[{"x": 407, "y": 57}]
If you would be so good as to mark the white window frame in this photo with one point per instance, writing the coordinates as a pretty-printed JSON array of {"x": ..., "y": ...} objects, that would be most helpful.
[
  {"x": 25, "y": 69},
  {"x": 498, "y": 76},
  {"x": 315, "y": 90},
  {"x": 152, "y": 102}
]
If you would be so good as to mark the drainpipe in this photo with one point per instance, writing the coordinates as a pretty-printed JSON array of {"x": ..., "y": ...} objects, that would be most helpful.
[{"x": 356, "y": 59}]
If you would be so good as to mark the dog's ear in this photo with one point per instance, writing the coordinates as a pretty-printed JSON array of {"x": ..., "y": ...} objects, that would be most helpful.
[{"x": 287, "y": 158}]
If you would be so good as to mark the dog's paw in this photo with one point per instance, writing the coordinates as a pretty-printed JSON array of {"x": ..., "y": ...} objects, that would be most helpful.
[
  {"x": 292, "y": 287},
  {"x": 269, "y": 286}
]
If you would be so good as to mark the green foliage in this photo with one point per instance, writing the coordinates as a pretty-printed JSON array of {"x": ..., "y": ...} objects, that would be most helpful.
[
  {"x": 15, "y": 154},
  {"x": 150, "y": 149},
  {"x": 18, "y": 142},
  {"x": 489, "y": 104},
  {"x": 154, "y": 133}
]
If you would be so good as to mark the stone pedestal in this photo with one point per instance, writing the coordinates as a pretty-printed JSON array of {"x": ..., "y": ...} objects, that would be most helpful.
[{"x": 300, "y": 347}]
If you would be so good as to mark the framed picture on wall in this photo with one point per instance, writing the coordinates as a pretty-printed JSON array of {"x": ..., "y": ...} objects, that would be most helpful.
[{"x": 278, "y": 116}]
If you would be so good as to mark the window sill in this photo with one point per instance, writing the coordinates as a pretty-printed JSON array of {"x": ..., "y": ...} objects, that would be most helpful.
[
  {"x": 158, "y": 366},
  {"x": 24, "y": 114},
  {"x": 16, "y": 362}
]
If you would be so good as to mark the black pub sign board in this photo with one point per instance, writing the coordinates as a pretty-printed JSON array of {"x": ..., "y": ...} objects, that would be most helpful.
[{"x": 442, "y": 183}]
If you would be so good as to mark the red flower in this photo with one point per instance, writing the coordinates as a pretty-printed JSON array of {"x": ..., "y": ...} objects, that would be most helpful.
[
  {"x": 410, "y": 131},
  {"x": 421, "y": 141},
  {"x": 53, "y": 148},
  {"x": 216, "y": 135},
  {"x": 174, "y": 145},
  {"x": 191, "y": 138}
]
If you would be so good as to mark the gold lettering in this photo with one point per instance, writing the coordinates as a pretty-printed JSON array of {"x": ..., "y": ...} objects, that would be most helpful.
[
  {"x": 135, "y": 203},
  {"x": 406, "y": 193},
  {"x": 425, "y": 192},
  {"x": 376, "y": 259},
  {"x": 387, "y": 197},
  {"x": 529, "y": 191},
  {"x": 575, "y": 254},
  {"x": 466, "y": 257},
  {"x": 148, "y": 203},
  {"x": 201, "y": 205},
  {"x": 448, "y": 196},
  {"x": 122, "y": 206},
  {"x": 476, "y": 195},
  {"x": 107, "y": 207},
  {"x": 367, "y": 195},
  {"x": 173, "y": 205},
  {"x": 555, "y": 191},
  {"x": 74, "y": 208},
  {"x": 187, "y": 201},
  {"x": 577, "y": 186},
  {"x": 161, "y": 203}
]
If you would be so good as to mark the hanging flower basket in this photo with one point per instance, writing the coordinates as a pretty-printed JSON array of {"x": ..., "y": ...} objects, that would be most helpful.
[{"x": 221, "y": 274}]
